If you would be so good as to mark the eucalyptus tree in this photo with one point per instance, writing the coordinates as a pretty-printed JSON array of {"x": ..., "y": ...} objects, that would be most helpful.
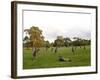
[
  {"x": 59, "y": 42},
  {"x": 36, "y": 37},
  {"x": 67, "y": 41},
  {"x": 26, "y": 42},
  {"x": 47, "y": 45}
]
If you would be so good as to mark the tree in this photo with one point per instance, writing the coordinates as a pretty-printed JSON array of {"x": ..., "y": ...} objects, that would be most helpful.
[
  {"x": 81, "y": 42},
  {"x": 77, "y": 41},
  {"x": 67, "y": 41},
  {"x": 35, "y": 36},
  {"x": 27, "y": 42},
  {"x": 85, "y": 42},
  {"x": 47, "y": 45},
  {"x": 58, "y": 42}
]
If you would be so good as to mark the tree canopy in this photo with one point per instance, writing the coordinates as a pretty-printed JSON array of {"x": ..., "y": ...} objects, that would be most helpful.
[{"x": 35, "y": 36}]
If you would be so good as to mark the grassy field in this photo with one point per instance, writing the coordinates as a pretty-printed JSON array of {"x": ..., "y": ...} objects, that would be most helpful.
[{"x": 49, "y": 59}]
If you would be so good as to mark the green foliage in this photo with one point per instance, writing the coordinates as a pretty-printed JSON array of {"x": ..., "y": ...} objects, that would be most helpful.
[
  {"x": 59, "y": 41},
  {"x": 80, "y": 42},
  {"x": 37, "y": 39},
  {"x": 47, "y": 44},
  {"x": 27, "y": 42},
  {"x": 67, "y": 42}
]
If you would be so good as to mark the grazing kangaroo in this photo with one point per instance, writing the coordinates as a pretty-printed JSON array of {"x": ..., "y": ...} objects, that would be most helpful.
[
  {"x": 73, "y": 49},
  {"x": 84, "y": 47},
  {"x": 52, "y": 49},
  {"x": 56, "y": 50}
]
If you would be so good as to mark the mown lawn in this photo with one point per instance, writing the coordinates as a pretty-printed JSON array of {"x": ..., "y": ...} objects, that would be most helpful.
[{"x": 49, "y": 59}]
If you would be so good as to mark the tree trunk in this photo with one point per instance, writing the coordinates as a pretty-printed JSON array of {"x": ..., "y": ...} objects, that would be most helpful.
[{"x": 34, "y": 52}]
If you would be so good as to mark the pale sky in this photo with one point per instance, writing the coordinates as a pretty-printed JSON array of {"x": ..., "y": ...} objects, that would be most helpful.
[{"x": 55, "y": 24}]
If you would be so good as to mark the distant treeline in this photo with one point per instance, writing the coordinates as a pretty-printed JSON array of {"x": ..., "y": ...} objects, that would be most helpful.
[{"x": 35, "y": 40}]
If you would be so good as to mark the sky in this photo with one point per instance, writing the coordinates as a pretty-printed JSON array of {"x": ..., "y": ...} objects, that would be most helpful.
[{"x": 53, "y": 24}]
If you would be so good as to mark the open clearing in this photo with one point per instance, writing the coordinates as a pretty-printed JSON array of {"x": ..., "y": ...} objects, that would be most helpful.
[{"x": 50, "y": 59}]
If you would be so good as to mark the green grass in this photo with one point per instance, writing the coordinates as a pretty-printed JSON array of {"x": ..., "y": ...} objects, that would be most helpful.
[{"x": 49, "y": 59}]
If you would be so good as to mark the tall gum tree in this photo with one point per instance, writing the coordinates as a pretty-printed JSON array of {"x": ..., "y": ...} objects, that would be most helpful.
[{"x": 36, "y": 37}]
